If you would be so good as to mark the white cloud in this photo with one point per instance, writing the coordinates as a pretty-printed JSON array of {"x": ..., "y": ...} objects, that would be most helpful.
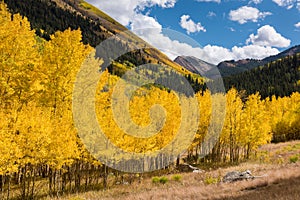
[
  {"x": 128, "y": 12},
  {"x": 255, "y": 1},
  {"x": 189, "y": 25},
  {"x": 161, "y": 3},
  {"x": 211, "y": 14},
  {"x": 231, "y": 29},
  {"x": 288, "y": 3},
  {"x": 144, "y": 22},
  {"x": 210, "y": 53},
  {"x": 253, "y": 51},
  {"x": 247, "y": 13},
  {"x": 267, "y": 36},
  {"x": 217, "y": 1},
  {"x": 124, "y": 11},
  {"x": 297, "y": 25},
  {"x": 285, "y": 3},
  {"x": 173, "y": 48}
]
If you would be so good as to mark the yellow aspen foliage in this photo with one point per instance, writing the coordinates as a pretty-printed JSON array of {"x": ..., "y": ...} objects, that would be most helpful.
[
  {"x": 255, "y": 123},
  {"x": 9, "y": 149},
  {"x": 63, "y": 149},
  {"x": 139, "y": 107},
  {"x": 231, "y": 134},
  {"x": 45, "y": 140},
  {"x": 278, "y": 109},
  {"x": 205, "y": 108},
  {"x": 33, "y": 139},
  {"x": 295, "y": 125},
  {"x": 36, "y": 85},
  {"x": 18, "y": 58},
  {"x": 295, "y": 106},
  {"x": 285, "y": 123},
  {"x": 61, "y": 59}
]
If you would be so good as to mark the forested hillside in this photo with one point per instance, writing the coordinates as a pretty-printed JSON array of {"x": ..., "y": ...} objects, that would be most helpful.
[
  {"x": 279, "y": 78},
  {"x": 232, "y": 67},
  {"x": 46, "y": 17}
]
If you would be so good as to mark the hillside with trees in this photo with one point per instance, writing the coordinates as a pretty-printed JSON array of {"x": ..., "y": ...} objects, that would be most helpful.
[
  {"x": 232, "y": 67},
  {"x": 48, "y": 16},
  {"x": 280, "y": 78},
  {"x": 275, "y": 75}
]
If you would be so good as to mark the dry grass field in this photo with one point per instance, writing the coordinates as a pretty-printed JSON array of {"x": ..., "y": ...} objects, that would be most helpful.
[{"x": 277, "y": 163}]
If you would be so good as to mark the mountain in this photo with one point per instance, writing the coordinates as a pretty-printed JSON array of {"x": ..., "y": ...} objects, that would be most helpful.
[
  {"x": 289, "y": 52},
  {"x": 231, "y": 67},
  {"x": 226, "y": 68},
  {"x": 194, "y": 64},
  {"x": 49, "y": 16},
  {"x": 277, "y": 75}
]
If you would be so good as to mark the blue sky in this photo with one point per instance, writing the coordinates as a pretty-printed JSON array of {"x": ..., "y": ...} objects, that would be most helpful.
[{"x": 219, "y": 29}]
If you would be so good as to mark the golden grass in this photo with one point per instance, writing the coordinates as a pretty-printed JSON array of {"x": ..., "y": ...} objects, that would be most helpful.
[
  {"x": 281, "y": 182},
  {"x": 83, "y": 4}
]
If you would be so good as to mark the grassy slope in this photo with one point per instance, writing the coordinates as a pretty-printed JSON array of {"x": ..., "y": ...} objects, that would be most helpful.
[
  {"x": 281, "y": 181},
  {"x": 98, "y": 12}
]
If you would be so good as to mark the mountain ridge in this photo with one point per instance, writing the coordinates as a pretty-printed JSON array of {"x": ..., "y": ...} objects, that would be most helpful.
[
  {"x": 194, "y": 64},
  {"x": 277, "y": 75},
  {"x": 232, "y": 67}
]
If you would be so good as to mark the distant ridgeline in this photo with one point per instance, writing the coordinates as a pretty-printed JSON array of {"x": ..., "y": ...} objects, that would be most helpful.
[
  {"x": 274, "y": 75},
  {"x": 49, "y": 16},
  {"x": 279, "y": 78}
]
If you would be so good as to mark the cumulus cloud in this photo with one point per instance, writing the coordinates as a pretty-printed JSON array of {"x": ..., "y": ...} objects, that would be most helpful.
[
  {"x": 297, "y": 25},
  {"x": 161, "y": 3},
  {"x": 189, "y": 25},
  {"x": 127, "y": 12},
  {"x": 247, "y": 13},
  {"x": 253, "y": 51},
  {"x": 211, "y": 53},
  {"x": 124, "y": 11},
  {"x": 285, "y": 3},
  {"x": 288, "y": 3},
  {"x": 217, "y": 1},
  {"x": 267, "y": 36},
  {"x": 231, "y": 29},
  {"x": 173, "y": 48},
  {"x": 211, "y": 14},
  {"x": 255, "y": 1},
  {"x": 144, "y": 22}
]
